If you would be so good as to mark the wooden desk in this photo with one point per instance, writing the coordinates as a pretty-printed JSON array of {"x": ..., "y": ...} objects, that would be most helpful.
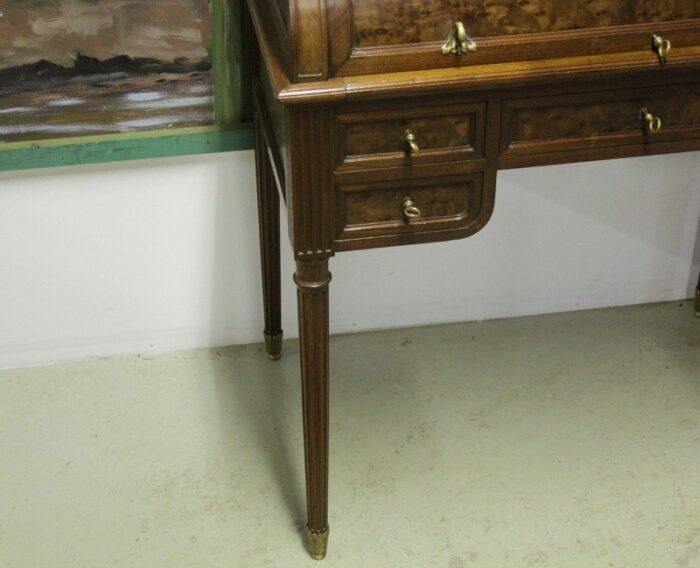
[{"x": 385, "y": 122}]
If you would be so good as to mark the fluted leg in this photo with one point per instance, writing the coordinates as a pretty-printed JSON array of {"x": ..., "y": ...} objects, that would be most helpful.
[
  {"x": 269, "y": 218},
  {"x": 312, "y": 279}
]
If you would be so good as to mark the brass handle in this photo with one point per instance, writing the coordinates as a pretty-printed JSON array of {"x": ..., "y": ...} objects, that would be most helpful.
[
  {"x": 410, "y": 210},
  {"x": 458, "y": 41},
  {"x": 653, "y": 123},
  {"x": 410, "y": 137},
  {"x": 661, "y": 46}
]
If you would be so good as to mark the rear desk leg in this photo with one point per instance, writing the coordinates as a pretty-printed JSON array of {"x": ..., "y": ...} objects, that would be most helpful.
[
  {"x": 269, "y": 219},
  {"x": 312, "y": 279}
]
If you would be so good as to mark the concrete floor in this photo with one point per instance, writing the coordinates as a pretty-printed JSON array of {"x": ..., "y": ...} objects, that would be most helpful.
[{"x": 569, "y": 440}]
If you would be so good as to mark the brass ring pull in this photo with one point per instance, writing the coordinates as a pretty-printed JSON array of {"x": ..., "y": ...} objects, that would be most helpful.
[
  {"x": 458, "y": 42},
  {"x": 661, "y": 46},
  {"x": 410, "y": 210},
  {"x": 410, "y": 137},
  {"x": 653, "y": 123}
]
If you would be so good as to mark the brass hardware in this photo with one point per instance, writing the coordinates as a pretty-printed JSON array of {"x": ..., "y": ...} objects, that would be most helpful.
[
  {"x": 653, "y": 123},
  {"x": 411, "y": 141},
  {"x": 661, "y": 46},
  {"x": 273, "y": 345},
  {"x": 450, "y": 46},
  {"x": 410, "y": 210},
  {"x": 317, "y": 542},
  {"x": 458, "y": 41}
]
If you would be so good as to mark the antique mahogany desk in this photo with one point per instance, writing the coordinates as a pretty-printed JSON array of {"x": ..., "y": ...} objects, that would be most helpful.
[{"x": 385, "y": 122}]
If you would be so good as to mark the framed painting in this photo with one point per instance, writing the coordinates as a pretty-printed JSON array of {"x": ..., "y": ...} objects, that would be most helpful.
[{"x": 97, "y": 80}]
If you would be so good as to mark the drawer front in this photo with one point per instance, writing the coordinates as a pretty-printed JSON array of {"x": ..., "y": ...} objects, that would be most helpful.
[
  {"x": 395, "y": 22},
  {"x": 379, "y": 139},
  {"x": 543, "y": 125},
  {"x": 372, "y": 211},
  {"x": 403, "y": 35}
]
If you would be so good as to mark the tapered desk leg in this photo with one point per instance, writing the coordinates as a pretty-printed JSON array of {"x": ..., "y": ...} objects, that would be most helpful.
[
  {"x": 697, "y": 299},
  {"x": 269, "y": 218},
  {"x": 312, "y": 279}
]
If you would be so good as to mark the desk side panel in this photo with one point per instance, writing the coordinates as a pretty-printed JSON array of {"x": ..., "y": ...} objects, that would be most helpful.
[
  {"x": 283, "y": 7},
  {"x": 275, "y": 124}
]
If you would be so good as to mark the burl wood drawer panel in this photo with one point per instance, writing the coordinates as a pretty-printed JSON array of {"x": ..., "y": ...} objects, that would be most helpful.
[
  {"x": 395, "y": 22},
  {"x": 367, "y": 211},
  {"x": 542, "y": 125},
  {"x": 378, "y": 139}
]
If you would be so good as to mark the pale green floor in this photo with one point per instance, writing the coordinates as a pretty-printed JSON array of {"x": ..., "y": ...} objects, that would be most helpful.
[{"x": 570, "y": 441}]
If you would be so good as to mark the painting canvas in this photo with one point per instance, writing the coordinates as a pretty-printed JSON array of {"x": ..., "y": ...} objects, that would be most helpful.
[{"x": 88, "y": 67}]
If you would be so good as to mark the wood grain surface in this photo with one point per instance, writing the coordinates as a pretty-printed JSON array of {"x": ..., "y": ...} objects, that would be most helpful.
[
  {"x": 388, "y": 136},
  {"x": 391, "y": 22},
  {"x": 571, "y": 94},
  {"x": 377, "y": 139},
  {"x": 604, "y": 120}
]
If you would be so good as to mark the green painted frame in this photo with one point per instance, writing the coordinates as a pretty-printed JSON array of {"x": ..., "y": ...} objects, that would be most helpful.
[{"x": 232, "y": 111}]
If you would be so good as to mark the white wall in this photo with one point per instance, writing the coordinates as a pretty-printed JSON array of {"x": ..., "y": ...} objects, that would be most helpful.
[{"x": 162, "y": 255}]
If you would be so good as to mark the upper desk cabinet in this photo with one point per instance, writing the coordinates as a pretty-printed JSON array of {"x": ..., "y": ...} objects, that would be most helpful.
[{"x": 333, "y": 38}]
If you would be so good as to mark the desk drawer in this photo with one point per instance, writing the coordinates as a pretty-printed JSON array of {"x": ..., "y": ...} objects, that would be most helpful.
[
  {"x": 597, "y": 120},
  {"x": 407, "y": 208},
  {"x": 379, "y": 138},
  {"x": 403, "y": 35}
]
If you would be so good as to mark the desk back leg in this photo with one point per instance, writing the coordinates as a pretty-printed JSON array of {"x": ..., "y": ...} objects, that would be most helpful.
[
  {"x": 697, "y": 299},
  {"x": 269, "y": 218},
  {"x": 312, "y": 279}
]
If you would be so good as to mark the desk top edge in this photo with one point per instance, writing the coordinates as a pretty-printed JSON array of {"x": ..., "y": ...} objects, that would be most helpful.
[{"x": 478, "y": 78}]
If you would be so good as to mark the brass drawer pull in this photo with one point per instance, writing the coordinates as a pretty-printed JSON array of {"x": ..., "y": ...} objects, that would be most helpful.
[
  {"x": 458, "y": 41},
  {"x": 653, "y": 123},
  {"x": 661, "y": 46},
  {"x": 410, "y": 210},
  {"x": 410, "y": 137}
]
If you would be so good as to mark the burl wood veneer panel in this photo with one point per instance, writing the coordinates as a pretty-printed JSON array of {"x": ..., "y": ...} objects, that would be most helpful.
[
  {"x": 392, "y": 22},
  {"x": 377, "y": 209},
  {"x": 600, "y": 119},
  {"x": 378, "y": 139}
]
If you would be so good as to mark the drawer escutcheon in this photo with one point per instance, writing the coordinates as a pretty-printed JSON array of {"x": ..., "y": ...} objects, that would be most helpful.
[
  {"x": 661, "y": 46},
  {"x": 413, "y": 147},
  {"x": 410, "y": 211},
  {"x": 458, "y": 42},
  {"x": 653, "y": 123}
]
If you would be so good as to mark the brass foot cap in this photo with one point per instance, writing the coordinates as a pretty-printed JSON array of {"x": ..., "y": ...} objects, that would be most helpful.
[
  {"x": 273, "y": 345},
  {"x": 317, "y": 542}
]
